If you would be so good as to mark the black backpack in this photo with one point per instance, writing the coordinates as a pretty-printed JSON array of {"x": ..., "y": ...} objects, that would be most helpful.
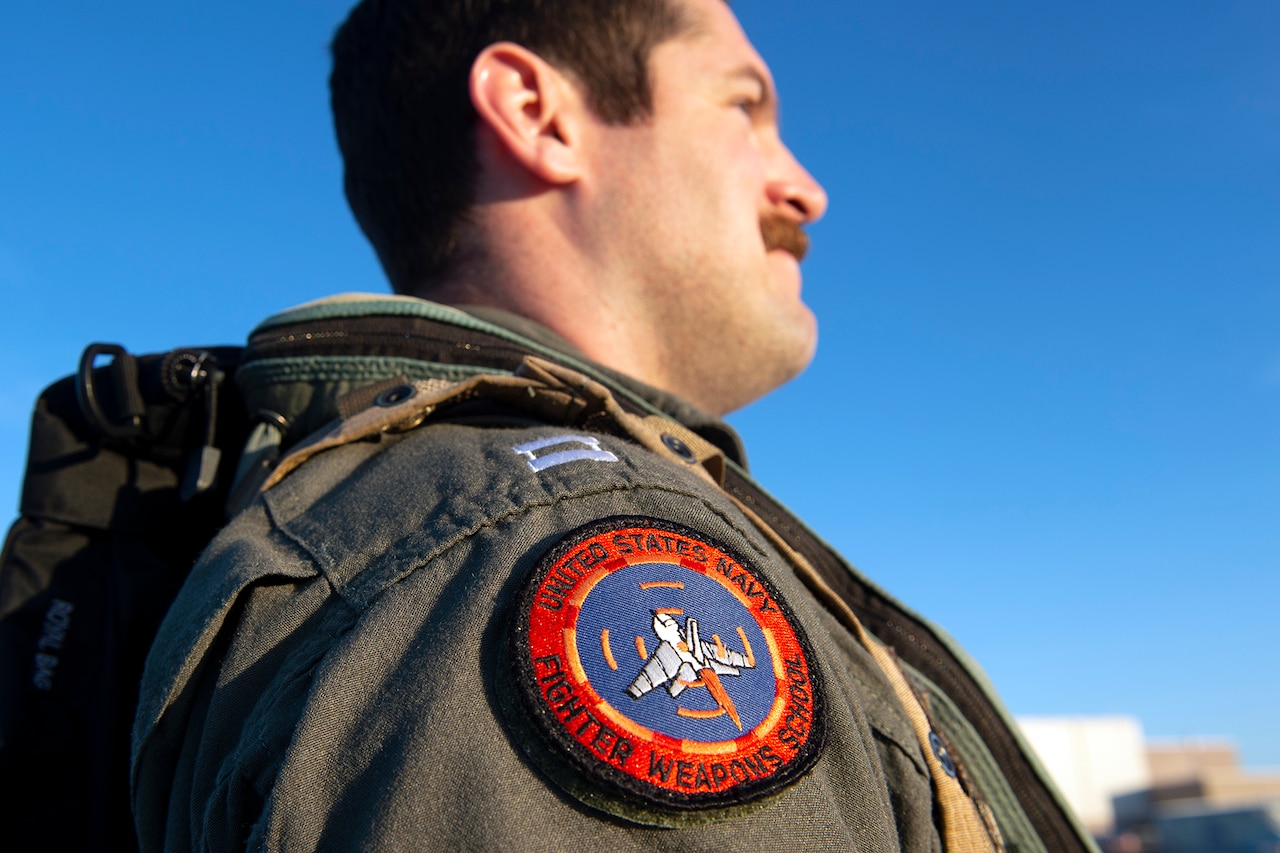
[{"x": 127, "y": 477}]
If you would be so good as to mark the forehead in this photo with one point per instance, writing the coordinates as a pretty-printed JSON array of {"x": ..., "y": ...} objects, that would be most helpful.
[{"x": 712, "y": 41}]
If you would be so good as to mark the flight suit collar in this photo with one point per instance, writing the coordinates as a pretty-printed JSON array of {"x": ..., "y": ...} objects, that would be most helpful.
[
  {"x": 708, "y": 426},
  {"x": 304, "y": 388}
]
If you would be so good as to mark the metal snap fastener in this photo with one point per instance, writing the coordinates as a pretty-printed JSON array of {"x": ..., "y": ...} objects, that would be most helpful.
[
  {"x": 679, "y": 448},
  {"x": 394, "y": 396},
  {"x": 944, "y": 757}
]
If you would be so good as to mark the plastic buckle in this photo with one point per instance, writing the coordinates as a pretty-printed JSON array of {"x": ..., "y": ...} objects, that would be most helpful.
[{"x": 123, "y": 371}]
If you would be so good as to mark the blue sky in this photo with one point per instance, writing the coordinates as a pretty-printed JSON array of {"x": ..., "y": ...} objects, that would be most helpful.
[{"x": 1046, "y": 405}]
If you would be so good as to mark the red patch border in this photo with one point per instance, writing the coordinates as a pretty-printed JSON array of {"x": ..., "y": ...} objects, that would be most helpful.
[{"x": 614, "y": 751}]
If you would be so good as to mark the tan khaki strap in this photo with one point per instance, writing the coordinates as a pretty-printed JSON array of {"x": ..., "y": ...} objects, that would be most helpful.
[
  {"x": 544, "y": 390},
  {"x": 963, "y": 826},
  {"x": 664, "y": 436},
  {"x": 968, "y": 825},
  {"x": 388, "y": 415}
]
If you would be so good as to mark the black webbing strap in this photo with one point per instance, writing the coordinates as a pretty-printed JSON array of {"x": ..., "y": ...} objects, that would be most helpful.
[{"x": 915, "y": 643}]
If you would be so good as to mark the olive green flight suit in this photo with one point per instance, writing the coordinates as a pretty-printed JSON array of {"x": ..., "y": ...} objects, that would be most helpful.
[{"x": 330, "y": 676}]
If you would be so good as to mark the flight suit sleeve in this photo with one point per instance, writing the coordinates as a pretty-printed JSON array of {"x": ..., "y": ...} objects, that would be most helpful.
[{"x": 465, "y": 637}]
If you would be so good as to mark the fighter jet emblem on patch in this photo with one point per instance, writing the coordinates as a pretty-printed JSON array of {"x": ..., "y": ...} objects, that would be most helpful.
[
  {"x": 681, "y": 661},
  {"x": 666, "y": 668}
]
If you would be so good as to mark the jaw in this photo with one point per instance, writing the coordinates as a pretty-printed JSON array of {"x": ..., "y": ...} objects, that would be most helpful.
[{"x": 766, "y": 343}]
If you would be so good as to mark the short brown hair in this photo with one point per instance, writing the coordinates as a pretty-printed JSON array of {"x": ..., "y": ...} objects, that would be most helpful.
[{"x": 403, "y": 113}]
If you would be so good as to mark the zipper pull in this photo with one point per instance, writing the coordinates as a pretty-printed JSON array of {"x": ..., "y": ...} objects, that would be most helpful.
[{"x": 202, "y": 466}]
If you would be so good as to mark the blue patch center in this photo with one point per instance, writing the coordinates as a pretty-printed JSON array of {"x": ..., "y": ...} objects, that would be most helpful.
[{"x": 678, "y": 614}]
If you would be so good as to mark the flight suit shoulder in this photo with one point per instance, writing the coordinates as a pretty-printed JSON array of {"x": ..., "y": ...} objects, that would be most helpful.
[
  {"x": 372, "y": 512},
  {"x": 430, "y": 574}
]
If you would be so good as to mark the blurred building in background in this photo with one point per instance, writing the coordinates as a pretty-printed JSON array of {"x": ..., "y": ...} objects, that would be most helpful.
[
  {"x": 1137, "y": 796},
  {"x": 1093, "y": 759}
]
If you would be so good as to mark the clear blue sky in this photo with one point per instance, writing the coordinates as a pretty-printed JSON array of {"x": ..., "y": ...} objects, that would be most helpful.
[{"x": 1046, "y": 405}]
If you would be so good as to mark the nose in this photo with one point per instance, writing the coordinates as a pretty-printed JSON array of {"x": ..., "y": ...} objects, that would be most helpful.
[{"x": 793, "y": 191}]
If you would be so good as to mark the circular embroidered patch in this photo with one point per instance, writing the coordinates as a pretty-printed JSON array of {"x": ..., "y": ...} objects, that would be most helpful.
[{"x": 666, "y": 667}]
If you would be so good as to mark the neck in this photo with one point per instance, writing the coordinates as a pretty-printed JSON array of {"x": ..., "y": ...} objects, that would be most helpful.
[{"x": 535, "y": 271}]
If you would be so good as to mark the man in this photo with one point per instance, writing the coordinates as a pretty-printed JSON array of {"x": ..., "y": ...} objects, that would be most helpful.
[{"x": 476, "y": 610}]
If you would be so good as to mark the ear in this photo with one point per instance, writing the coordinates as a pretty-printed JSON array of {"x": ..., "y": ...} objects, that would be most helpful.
[{"x": 531, "y": 108}]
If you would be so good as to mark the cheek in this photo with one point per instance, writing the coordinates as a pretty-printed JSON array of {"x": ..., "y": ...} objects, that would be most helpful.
[{"x": 717, "y": 154}]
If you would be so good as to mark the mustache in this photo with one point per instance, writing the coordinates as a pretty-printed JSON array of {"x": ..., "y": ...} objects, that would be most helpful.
[{"x": 779, "y": 232}]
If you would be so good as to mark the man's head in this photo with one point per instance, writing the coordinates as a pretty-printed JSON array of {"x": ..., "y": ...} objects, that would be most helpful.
[
  {"x": 657, "y": 228},
  {"x": 404, "y": 117}
]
